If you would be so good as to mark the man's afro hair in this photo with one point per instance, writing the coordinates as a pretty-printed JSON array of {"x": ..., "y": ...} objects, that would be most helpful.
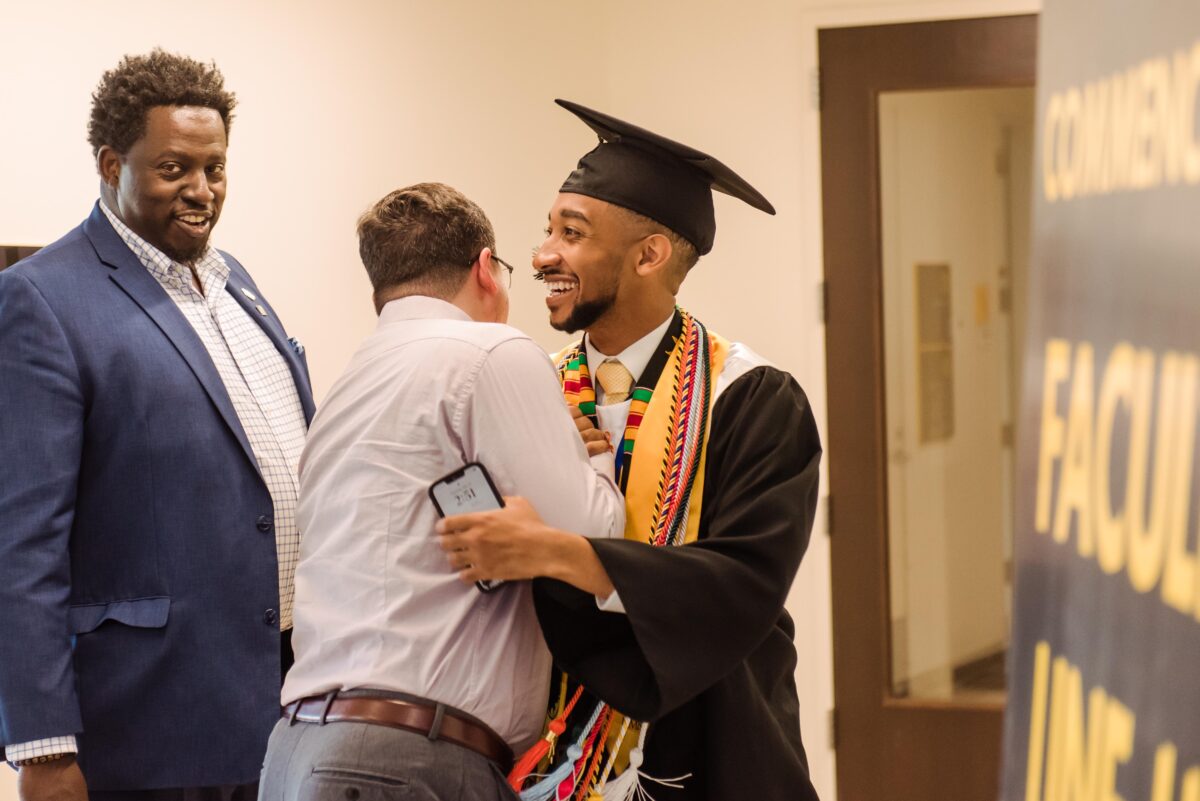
[{"x": 139, "y": 83}]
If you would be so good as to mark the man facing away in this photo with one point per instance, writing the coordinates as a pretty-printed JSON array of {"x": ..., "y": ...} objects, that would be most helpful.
[
  {"x": 684, "y": 627},
  {"x": 409, "y": 681},
  {"x": 152, "y": 414}
]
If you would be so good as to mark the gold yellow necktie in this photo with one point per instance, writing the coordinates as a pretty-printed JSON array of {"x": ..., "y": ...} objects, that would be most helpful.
[{"x": 616, "y": 380}]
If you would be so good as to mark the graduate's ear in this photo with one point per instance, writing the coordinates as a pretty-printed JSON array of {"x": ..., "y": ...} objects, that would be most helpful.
[{"x": 654, "y": 255}]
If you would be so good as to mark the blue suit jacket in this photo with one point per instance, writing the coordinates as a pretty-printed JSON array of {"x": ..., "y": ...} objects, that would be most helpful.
[{"x": 138, "y": 577}]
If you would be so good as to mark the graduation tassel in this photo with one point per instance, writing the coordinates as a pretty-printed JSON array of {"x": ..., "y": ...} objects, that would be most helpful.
[
  {"x": 597, "y": 748},
  {"x": 625, "y": 786},
  {"x": 530, "y": 759},
  {"x": 612, "y": 756},
  {"x": 550, "y": 788},
  {"x": 628, "y": 786},
  {"x": 560, "y": 784}
]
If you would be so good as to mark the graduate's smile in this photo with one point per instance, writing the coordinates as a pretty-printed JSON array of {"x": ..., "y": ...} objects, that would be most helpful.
[
  {"x": 574, "y": 307},
  {"x": 560, "y": 289},
  {"x": 580, "y": 261}
]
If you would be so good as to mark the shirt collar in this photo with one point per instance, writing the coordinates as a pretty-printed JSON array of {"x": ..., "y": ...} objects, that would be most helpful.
[
  {"x": 636, "y": 356},
  {"x": 420, "y": 307},
  {"x": 209, "y": 267}
]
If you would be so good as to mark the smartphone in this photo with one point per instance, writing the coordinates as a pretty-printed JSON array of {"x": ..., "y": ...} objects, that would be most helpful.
[{"x": 468, "y": 489}]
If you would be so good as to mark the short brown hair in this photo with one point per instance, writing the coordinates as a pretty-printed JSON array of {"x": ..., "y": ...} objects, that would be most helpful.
[
  {"x": 683, "y": 253},
  {"x": 424, "y": 235}
]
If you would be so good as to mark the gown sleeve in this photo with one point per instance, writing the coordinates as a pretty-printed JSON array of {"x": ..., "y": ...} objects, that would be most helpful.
[{"x": 694, "y": 612}]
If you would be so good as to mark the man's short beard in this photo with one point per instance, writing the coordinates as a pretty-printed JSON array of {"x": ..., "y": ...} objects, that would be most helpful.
[
  {"x": 191, "y": 256},
  {"x": 585, "y": 314}
]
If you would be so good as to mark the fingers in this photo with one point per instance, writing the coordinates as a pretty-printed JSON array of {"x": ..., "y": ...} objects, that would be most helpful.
[
  {"x": 459, "y": 557},
  {"x": 582, "y": 421},
  {"x": 482, "y": 545},
  {"x": 596, "y": 441},
  {"x": 470, "y": 575},
  {"x": 517, "y": 505},
  {"x": 459, "y": 523},
  {"x": 463, "y": 562},
  {"x": 594, "y": 435},
  {"x": 459, "y": 561}
]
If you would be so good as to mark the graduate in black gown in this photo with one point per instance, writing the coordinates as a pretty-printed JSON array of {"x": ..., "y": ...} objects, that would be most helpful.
[{"x": 682, "y": 623}]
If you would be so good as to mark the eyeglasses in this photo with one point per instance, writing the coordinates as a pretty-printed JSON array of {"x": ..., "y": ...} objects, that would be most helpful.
[{"x": 507, "y": 267}]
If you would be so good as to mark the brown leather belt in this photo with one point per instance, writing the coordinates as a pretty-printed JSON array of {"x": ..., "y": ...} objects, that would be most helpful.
[{"x": 435, "y": 721}]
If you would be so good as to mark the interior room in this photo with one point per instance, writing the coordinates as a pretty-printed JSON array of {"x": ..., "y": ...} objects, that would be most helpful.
[{"x": 340, "y": 103}]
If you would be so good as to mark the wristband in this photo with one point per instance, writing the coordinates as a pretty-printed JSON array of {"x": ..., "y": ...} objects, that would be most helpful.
[{"x": 39, "y": 760}]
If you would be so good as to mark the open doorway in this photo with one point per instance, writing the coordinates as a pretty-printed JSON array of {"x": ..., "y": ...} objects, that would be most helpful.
[
  {"x": 927, "y": 132},
  {"x": 954, "y": 176}
]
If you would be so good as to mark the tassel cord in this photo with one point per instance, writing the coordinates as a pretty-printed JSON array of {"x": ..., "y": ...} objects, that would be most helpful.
[{"x": 530, "y": 759}]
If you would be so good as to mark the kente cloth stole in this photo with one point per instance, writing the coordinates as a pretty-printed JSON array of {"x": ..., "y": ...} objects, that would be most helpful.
[{"x": 660, "y": 469}]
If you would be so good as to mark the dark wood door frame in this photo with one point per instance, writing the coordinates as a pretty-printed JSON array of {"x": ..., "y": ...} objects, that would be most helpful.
[{"x": 887, "y": 748}]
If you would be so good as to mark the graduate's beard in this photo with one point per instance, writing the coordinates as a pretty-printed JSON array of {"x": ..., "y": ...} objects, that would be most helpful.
[{"x": 585, "y": 313}]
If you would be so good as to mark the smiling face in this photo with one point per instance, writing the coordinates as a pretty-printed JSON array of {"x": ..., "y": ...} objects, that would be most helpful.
[
  {"x": 170, "y": 185},
  {"x": 583, "y": 261}
]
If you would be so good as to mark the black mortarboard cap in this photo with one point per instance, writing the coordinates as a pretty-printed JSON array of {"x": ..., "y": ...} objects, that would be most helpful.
[{"x": 664, "y": 180}]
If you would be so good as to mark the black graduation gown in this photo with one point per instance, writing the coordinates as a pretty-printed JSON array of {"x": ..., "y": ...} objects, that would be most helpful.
[{"x": 705, "y": 650}]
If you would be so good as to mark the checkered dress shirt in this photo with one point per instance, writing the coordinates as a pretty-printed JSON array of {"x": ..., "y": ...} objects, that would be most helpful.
[{"x": 263, "y": 393}]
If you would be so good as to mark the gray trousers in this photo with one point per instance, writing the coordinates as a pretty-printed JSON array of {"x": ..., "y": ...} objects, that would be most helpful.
[{"x": 365, "y": 762}]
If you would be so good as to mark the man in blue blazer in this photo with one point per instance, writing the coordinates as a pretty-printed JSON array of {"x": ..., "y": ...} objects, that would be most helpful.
[{"x": 152, "y": 413}]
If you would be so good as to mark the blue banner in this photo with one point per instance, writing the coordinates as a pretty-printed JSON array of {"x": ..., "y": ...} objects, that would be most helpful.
[{"x": 1104, "y": 671}]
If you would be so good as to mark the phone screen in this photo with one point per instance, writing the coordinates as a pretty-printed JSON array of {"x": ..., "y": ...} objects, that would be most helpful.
[{"x": 467, "y": 490}]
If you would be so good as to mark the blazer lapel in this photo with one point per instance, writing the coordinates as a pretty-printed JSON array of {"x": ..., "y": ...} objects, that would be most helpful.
[
  {"x": 137, "y": 282},
  {"x": 264, "y": 315}
]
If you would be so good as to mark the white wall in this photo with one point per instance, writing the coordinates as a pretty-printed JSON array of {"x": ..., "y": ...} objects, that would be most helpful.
[
  {"x": 342, "y": 102},
  {"x": 338, "y": 105}
]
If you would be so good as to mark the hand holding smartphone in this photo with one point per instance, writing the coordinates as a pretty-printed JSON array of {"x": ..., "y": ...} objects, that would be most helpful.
[{"x": 468, "y": 489}]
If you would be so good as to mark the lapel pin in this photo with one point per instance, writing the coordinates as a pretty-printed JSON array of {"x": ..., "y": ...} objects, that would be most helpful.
[
  {"x": 250, "y": 295},
  {"x": 261, "y": 310}
]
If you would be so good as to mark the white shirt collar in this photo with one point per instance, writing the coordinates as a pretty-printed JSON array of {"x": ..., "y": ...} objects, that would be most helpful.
[
  {"x": 635, "y": 357},
  {"x": 420, "y": 307},
  {"x": 160, "y": 263}
]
